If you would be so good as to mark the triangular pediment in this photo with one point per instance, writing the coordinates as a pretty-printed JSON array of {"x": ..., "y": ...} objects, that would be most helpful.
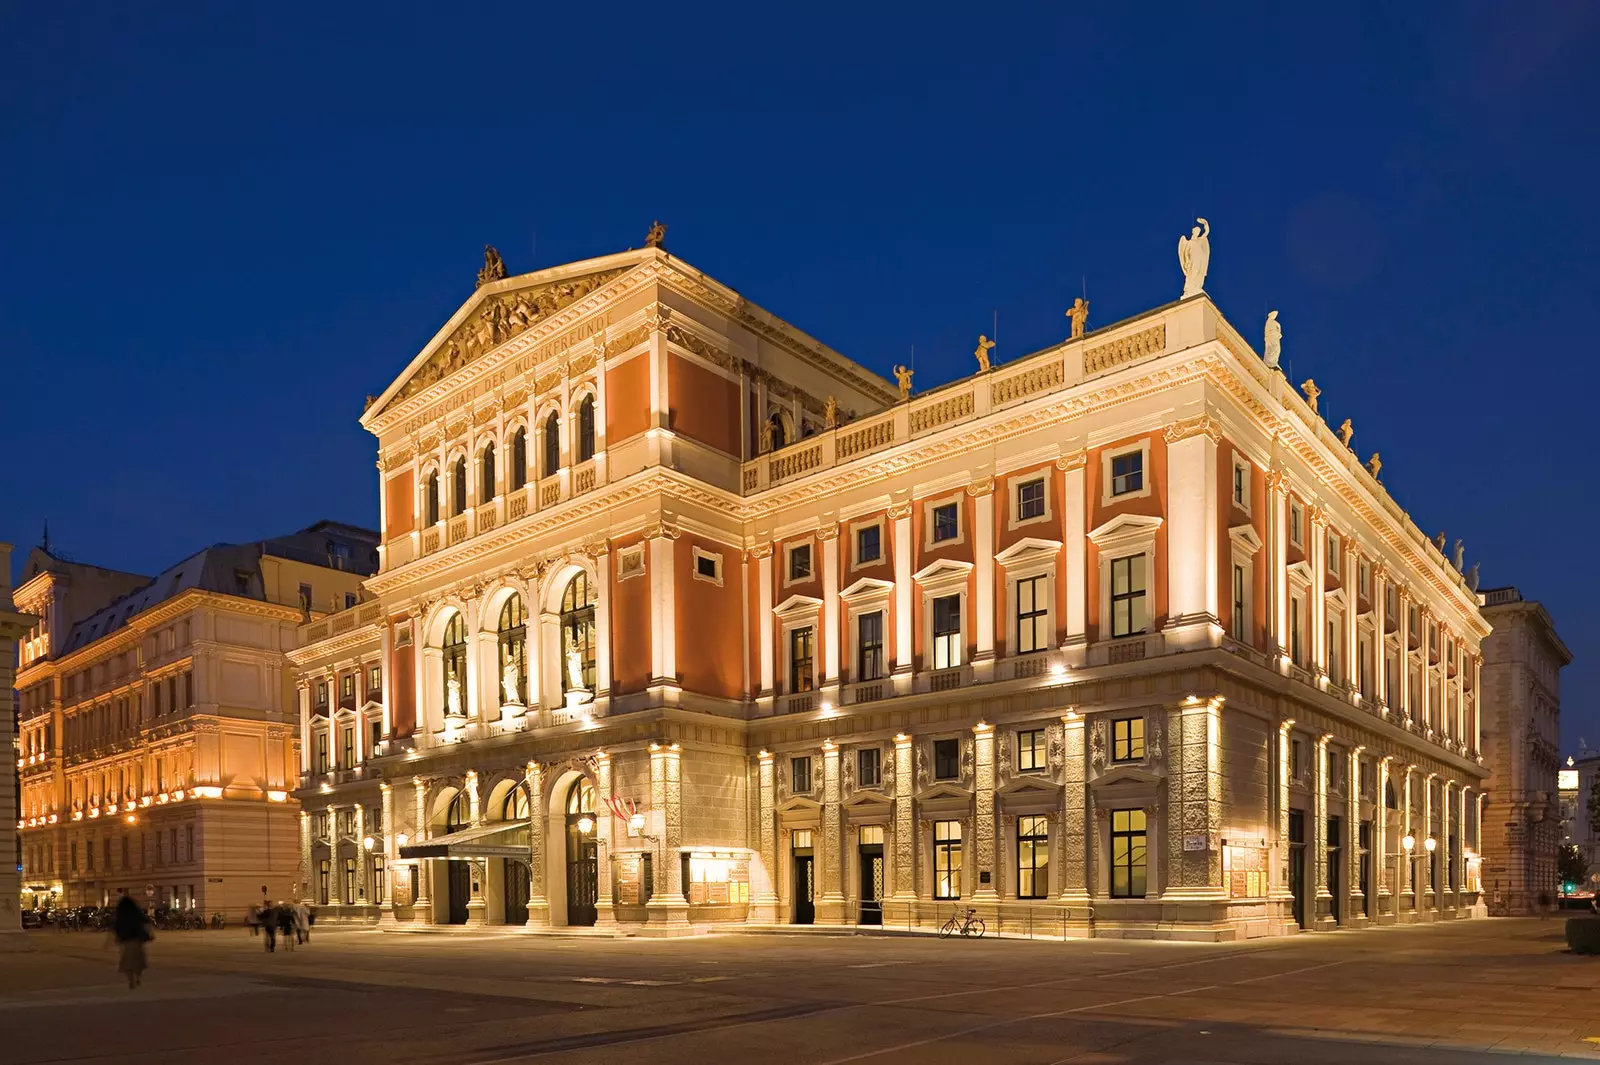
[
  {"x": 866, "y": 588},
  {"x": 944, "y": 790},
  {"x": 1031, "y": 784},
  {"x": 797, "y": 606},
  {"x": 1245, "y": 537},
  {"x": 502, "y": 311},
  {"x": 943, "y": 571},
  {"x": 1127, "y": 775},
  {"x": 868, "y": 798},
  {"x": 1028, "y": 549},
  {"x": 799, "y": 803},
  {"x": 1125, "y": 527}
]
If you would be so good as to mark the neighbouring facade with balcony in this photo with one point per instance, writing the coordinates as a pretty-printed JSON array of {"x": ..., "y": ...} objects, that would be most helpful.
[
  {"x": 157, "y": 741},
  {"x": 684, "y": 619}
]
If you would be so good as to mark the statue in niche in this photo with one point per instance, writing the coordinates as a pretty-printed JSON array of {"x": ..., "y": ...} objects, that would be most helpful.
[
  {"x": 574, "y": 665},
  {"x": 1194, "y": 255},
  {"x": 1375, "y": 465},
  {"x": 1309, "y": 387},
  {"x": 1346, "y": 431},
  {"x": 452, "y": 695},
  {"x": 1079, "y": 313},
  {"x": 494, "y": 267},
  {"x": 902, "y": 376},
  {"x": 1460, "y": 557},
  {"x": 985, "y": 345},
  {"x": 511, "y": 683},
  {"x": 1272, "y": 342},
  {"x": 830, "y": 412}
]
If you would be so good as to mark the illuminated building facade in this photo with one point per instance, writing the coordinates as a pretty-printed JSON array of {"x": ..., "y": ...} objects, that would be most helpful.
[
  {"x": 157, "y": 737},
  {"x": 13, "y": 626},
  {"x": 685, "y": 620}
]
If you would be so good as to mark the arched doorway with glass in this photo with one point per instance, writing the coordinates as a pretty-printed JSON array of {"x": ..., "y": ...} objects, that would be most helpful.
[
  {"x": 577, "y": 628},
  {"x": 453, "y": 651},
  {"x": 459, "y": 889},
  {"x": 514, "y": 875},
  {"x": 583, "y": 853},
  {"x": 511, "y": 641}
]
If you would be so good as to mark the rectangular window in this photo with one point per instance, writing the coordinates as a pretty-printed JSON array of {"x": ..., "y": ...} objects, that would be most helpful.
[
  {"x": 869, "y": 767},
  {"x": 1030, "y": 499},
  {"x": 1127, "y": 596},
  {"x": 1333, "y": 651},
  {"x": 946, "y": 759},
  {"x": 1241, "y": 624},
  {"x": 1128, "y": 856},
  {"x": 1364, "y": 665},
  {"x": 1364, "y": 580},
  {"x": 1031, "y": 756},
  {"x": 869, "y": 646},
  {"x": 1297, "y": 758},
  {"x": 188, "y": 688},
  {"x": 705, "y": 566},
  {"x": 324, "y": 874},
  {"x": 374, "y": 683},
  {"x": 1127, "y": 739},
  {"x": 1297, "y": 519},
  {"x": 188, "y": 843},
  {"x": 322, "y": 752},
  {"x": 1033, "y": 857},
  {"x": 947, "y": 859},
  {"x": 374, "y": 733},
  {"x": 1333, "y": 554},
  {"x": 801, "y": 644},
  {"x": 347, "y": 747},
  {"x": 947, "y": 632},
  {"x": 321, "y": 702},
  {"x": 1127, "y": 473},
  {"x": 1033, "y": 615},
  {"x": 347, "y": 686},
  {"x": 800, "y": 562},
  {"x": 349, "y": 600},
  {"x": 946, "y": 522},
  {"x": 1241, "y": 486},
  {"x": 800, "y": 776},
  {"x": 1296, "y": 648},
  {"x": 869, "y": 544},
  {"x": 349, "y": 881}
]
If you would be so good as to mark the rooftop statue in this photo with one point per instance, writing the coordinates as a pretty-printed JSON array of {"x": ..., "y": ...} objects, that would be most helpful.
[
  {"x": 1460, "y": 559},
  {"x": 1374, "y": 465},
  {"x": 1346, "y": 431},
  {"x": 494, "y": 267},
  {"x": 657, "y": 237},
  {"x": 902, "y": 376},
  {"x": 830, "y": 412},
  {"x": 1472, "y": 579},
  {"x": 1309, "y": 387},
  {"x": 1079, "y": 313},
  {"x": 1194, "y": 255},
  {"x": 1272, "y": 343},
  {"x": 985, "y": 345}
]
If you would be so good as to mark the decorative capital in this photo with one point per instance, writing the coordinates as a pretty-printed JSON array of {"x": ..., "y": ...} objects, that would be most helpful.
[
  {"x": 759, "y": 551},
  {"x": 1277, "y": 480},
  {"x": 1077, "y": 460},
  {"x": 1201, "y": 424},
  {"x": 981, "y": 487},
  {"x": 828, "y": 531},
  {"x": 1318, "y": 516},
  {"x": 898, "y": 511},
  {"x": 597, "y": 549}
]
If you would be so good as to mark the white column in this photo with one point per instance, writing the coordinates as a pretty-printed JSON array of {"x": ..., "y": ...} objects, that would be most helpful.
[
  {"x": 1352, "y": 841},
  {"x": 663, "y": 609},
  {"x": 305, "y": 730},
  {"x": 385, "y": 678},
  {"x": 905, "y": 823},
  {"x": 1319, "y": 839},
  {"x": 1277, "y": 564},
  {"x": 1408, "y": 880},
  {"x": 1402, "y": 683},
  {"x": 828, "y": 533},
  {"x": 982, "y": 493},
  {"x": 1382, "y": 874},
  {"x": 1350, "y": 575},
  {"x": 422, "y": 906},
  {"x": 900, "y": 513},
  {"x": 983, "y": 785},
  {"x": 1380, "y": 641},
  {"x": 388, "y": 850},
  {"x": 830, "y": 903},
  {"x": 363, "y": 857},
  {"x": 1193, "y": 618},
  {"x": 335, "y": 873},
  {"x": 1317, "y": 555},
  {"x": 1477, "y": 707},
  {"x": 761, "y": 558},
  {"x": 1073, "y": 536},
  {"x": 602, "y": 619},
  {"x": 763, "y": 886}
]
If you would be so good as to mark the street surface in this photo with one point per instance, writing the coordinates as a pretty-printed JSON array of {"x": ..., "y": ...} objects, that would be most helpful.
[{"x": 1468, "y": 992}]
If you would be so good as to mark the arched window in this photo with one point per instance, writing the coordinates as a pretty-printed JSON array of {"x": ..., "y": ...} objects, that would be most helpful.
[
  {"x": 455, "y": 666},
  {"x": 487, "y": 468},
  {"x": 458, "y": 504},
  {"x": 512, "y": 637},
  {"x": 459, "y": 815},
  {"x": 580, "y": 798},
  {"x": 516, "y": 805},
  {"x": 577, "y": 635},
  {"x": 519, "y": 459},
  {"x": 552, "y": 444},
  {"x": 586, "y": 429},
  {"x": 776, "y": 436},
  {"x": 433, "y": 498}
]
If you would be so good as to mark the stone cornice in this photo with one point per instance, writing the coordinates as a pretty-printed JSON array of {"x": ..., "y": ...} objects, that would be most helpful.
[
  {"x": 140, "y": 624},
  {"x": 355, "y": 639}
]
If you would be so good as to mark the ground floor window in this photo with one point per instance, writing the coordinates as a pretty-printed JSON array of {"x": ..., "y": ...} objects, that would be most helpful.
[
  {"x": 324, "y": 875},
  {"x": 947, "y": 859},
  {"x": 349, "y": 881},
  {"x": 1128, "y": 854},
  {"x": 1033, "y": 857}
]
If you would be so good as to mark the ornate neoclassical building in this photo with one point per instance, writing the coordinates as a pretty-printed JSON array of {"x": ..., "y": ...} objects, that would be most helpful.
[{"x": 685, "y": 619}]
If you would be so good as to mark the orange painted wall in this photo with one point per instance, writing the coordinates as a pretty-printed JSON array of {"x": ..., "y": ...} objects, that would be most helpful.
[
  {"x": 1004, "y": 501},
  {"x": 923, "y": 556},
  {"x": 403, "y": 685},
  {"x": 710, "y": 631},
  {"x": 399, "y": 518},
  {"x": 703, "y": 405},
  {"x": 780, "y": 594},
  {"x": 628, "y": 399},
  {"x": 882, "y": 571},
  {"x": 1152, "y": 505},
  {"x": 630, "y": 626}
]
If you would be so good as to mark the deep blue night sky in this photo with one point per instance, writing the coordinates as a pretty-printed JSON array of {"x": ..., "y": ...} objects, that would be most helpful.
[{"x": 221, "y": 226}]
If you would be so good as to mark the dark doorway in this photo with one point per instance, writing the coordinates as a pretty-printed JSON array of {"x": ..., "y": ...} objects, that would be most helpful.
[
  {"x": 460, "y": 890},
  {"x": 1364, "y": 868},
  {"x": 1297, "y": 864},
  {"x": 516, "y": 891},
  {"x": 871, "y": 855},
  {"x": 1335, "y": 868},
  {"x": 583, "y": 855},
  {"x": 805, "y": 911}
]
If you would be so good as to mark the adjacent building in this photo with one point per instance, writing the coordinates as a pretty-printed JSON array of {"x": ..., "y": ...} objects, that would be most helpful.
[
  {"x": 157, "y": 735},
  {"x": 13, "y": 626},
  {"x": 684, "y": 619},
  {"x": 1576, "y": 781},
  {"x": 1522, "y": 662}
]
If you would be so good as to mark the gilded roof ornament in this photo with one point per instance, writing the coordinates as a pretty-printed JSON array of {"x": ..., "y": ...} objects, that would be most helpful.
[
  {"x": 494, "y": 267},
  {"x": 985, "y": 345},
  {"x": 902, "y": 376},
  {"x": 1079, "y": 313},
  {"x": 657, "y": 237}
]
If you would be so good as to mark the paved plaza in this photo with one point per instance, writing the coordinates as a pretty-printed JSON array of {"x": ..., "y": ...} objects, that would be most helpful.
[{"x": 1466, "y": 992}]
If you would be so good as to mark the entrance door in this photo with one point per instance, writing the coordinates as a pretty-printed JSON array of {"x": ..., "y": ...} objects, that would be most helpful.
[
  {"x": 516, "y": 891},
  {"x": 1297, "y": 864},
  {"x": 871, "y": 860},
  {"x": 460, "y": 890},
  {"x": 805, "y": 910},
  {"x": 583, "y": 855},
  {"x": 1335, "y": 866}
]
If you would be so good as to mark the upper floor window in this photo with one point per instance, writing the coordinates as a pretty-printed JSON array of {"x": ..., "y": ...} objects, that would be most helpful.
[
  {"x": 802, "y": 644},
  {"x": 1241, "y": 485},
  {"x": 1127, "y": 473},
  {"x": 487, "y": 490},
  {"x": 349, "y": 600},
  {"x": 458, "y": 487},
  {"x": 519, "y": 459},
  {"x": 946, "y": 522},
  {"x": 800, "y": 562},
  {"x": 511, "y": 637},
  {"x": 1364, "y": 579},
  {"x": 347, "y": 688},
  {"x": 586, "y": 429},
  {"x": 1127, "y": 739},
  {"x": 1030, "y": 499},
  {"x": 578, "y": 634},
  {"x": 552, "y": 444},
  {"x": 347, "y": 747},
  {"x": 869, "y": 767},
  {"x": 800, "y": 775},
  {"x": 1031, "y": 751},
  {"x": 946, "y": 759},
  {"x": 947, "y": 632},
  {"x": 1033, "y": 615},
  {"x": 1241, "y": 622},
  {"x": 776, "y": 436},
  {"x": 374, "y": 682},
  {"x": 869, "y": 646},
  {"x": 869, "y": 544},
  {"x": 1333, "y": 553},
  {"x": 321, "y": 696},
  {"x": 454, "y": 647},
  {"x": 1128, "y": 596},
  {"x": 432, "y": 505},
  {"x": 1297, "y": 518}
]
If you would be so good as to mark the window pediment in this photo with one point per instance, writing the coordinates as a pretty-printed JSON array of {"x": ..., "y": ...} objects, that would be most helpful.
[
  {"x": 866, "y": 589},
  {"x": 1029, "y": 549},
  {"x": 799, "y": 804},
  {"x": 1125, "y": 530},
  {"x": 1300, "y": 571},
  {"x": 1336, "y": 599},
  {"x": 1029, "y": 785},
  {"x": 797, "y": 606},
  {"x": 1128, "y": 776},
  {"x": 945, "y": 574},
  {"x": 1245, "y": 538},
  {"x": 945, "y": 792}
]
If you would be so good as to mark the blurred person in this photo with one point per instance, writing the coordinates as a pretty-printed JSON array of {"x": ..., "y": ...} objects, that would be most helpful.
[{"x": 131, "y": 929}]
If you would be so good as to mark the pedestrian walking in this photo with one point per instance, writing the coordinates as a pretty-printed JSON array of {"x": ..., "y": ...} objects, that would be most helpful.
[
  {"x": 269, "y": 928},
  {"x": 285, "y": 916},
  {"x": 252, "y": 919},
  {"x": 131, "y": 929},
  {"x": 302, "y": 922}
]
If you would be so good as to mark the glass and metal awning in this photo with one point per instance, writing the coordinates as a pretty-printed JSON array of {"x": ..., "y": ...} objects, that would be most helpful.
[{"x": 500, "y": 839}]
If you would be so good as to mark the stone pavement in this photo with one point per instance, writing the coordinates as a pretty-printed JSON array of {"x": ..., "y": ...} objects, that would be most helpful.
[{"x": 1467, "y": 992}]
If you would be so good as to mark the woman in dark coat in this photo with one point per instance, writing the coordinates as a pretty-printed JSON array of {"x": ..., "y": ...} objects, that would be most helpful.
[{"x": 132, "y": 931}]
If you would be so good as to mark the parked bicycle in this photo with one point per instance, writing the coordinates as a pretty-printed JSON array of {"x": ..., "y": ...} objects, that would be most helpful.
[{"x": 968, "y": 924}]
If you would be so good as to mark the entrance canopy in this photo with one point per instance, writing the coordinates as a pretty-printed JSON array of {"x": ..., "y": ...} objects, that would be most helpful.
[{"x": 503, "y": 839}]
